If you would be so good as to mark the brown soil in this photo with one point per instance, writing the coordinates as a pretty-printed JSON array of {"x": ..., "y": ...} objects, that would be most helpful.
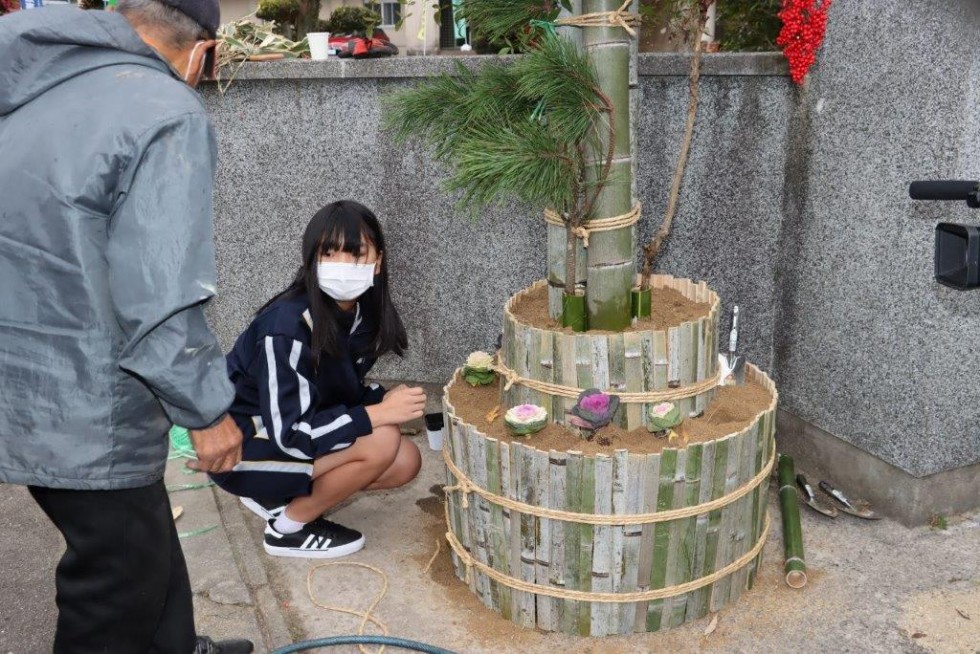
[
  {"x": 487, "y": 626},
  {"x": 732, "y": 409},
  {"x": 669, "y": 308}
]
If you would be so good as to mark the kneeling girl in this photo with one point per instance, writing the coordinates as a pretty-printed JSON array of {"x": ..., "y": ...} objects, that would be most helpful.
[{"x": 314, "y": 433}]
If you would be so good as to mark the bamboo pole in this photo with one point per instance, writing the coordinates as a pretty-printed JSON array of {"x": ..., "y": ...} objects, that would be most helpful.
[
  {"x": 542, "y": 539},
  {"x": 706, "y": 477},
  {"x": 686, "y": 563},
  {"x": 611, "y": 264},
  {"x": 527, "y": 493},
  {"x": 621, "y": 482},
  {"x": 795, "y": 565},
  {"x": 651, "y": 499},
  {"x": 633, "y": 539},
  {"x": 587, "y": 505},
  {"x": 662, "y": 536},
  {"x": 600, "y": 620},
  {"x": 558, "y": 493},
  {"x": 573, "y": 539}
]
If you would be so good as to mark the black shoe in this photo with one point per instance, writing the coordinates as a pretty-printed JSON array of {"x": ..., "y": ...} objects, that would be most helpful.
[
  {"x": 207, "y": 646},
  {"x": 320, "y": 539},
  {"x": 265, "y": 509}
]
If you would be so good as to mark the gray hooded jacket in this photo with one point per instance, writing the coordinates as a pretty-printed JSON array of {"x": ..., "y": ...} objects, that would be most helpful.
[{"x": 106, "y": 254}]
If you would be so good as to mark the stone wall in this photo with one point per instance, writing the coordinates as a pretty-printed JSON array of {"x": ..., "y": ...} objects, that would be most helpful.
[
  {"x": 794, "y": 206},
  {"x": 296, "y": 135}
]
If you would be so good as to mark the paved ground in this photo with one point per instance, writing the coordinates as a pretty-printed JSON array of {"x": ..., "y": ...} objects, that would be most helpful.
[{"x": 874, "y": 587}]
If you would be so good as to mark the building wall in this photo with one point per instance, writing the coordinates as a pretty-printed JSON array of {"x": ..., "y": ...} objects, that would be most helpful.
[{"x": 794, "y": 206}]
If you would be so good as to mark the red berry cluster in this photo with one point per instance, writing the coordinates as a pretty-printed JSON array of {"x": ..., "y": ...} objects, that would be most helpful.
[{"x": 804, "y": 25}]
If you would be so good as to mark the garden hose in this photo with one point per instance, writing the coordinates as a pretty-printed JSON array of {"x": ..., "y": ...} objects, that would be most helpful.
[{"x": 411, "y": 645}]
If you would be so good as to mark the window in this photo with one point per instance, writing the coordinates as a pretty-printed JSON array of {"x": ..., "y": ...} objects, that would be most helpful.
[{"x": 391, "y": 12}]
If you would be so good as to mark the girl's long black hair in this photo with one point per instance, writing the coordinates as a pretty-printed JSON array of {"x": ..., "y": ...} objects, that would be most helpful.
[{"x": 345, "y": 225}]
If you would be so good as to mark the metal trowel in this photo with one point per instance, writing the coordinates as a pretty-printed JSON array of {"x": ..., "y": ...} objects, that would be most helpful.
[
  {"x": 811, "y": 500},
  {"x": 856, "y": 508},
  {"x": 733, "y": 363}
]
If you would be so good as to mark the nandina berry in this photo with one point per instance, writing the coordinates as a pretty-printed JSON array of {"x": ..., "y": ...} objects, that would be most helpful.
[{"x": 804, "y": 26}]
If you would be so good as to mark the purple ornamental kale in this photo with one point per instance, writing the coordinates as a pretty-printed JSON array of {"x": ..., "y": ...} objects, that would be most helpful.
[{"x": 594, "y": 410}]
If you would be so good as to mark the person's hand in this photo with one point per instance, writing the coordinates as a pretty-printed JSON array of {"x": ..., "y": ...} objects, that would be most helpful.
[
  {"x": 400, "y": 405},
  {"x": 218, "y": 448}
]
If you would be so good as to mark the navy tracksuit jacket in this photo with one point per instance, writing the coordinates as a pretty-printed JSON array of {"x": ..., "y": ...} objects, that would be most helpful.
[{"x": 290, "y": 413}]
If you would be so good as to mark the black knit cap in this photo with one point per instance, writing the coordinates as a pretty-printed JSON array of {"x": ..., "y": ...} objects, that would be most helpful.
[{"x": 205, "y": 13}]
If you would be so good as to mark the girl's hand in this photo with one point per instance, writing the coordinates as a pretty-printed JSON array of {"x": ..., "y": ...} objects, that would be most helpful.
[{"x": 401, "y": 404}]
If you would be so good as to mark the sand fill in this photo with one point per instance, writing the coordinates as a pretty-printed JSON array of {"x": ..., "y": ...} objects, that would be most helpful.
[
  {"x": 733, "y": 409},
  {"x": 669, "y": 308}
]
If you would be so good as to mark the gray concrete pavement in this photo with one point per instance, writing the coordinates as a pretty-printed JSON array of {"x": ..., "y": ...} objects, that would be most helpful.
[
  {"x": 874, "y": 586},
  {"x": 225, "y": 603}
]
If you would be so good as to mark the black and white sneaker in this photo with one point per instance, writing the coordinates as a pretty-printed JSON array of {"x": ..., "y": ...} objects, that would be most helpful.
[
  {"x": 320, "y": 539},
  {"x": 265, "y": 509}
]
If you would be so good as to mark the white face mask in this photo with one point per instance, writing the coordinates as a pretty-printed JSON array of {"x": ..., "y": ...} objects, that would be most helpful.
[{"x": 345, "y": 281}]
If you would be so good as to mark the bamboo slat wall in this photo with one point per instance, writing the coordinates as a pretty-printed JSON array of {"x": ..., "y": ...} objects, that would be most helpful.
[
  {"x": 632, "y": 362},
  {"x": 616, "y": 558}
]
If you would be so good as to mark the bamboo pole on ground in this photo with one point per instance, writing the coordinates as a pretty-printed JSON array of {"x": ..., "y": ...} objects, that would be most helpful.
[{"x": 795, "y": 565}]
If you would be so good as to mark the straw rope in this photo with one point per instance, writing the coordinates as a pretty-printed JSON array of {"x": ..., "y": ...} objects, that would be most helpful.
[
  {"x": 619, "y": 18},
  {"x": 572, "y": 392},
  {"x": 588, "y": 596},
  {"x": 466, "y": 486},
  {"x": 366, "y": 615},
  {"x": 602, "y": 225}
]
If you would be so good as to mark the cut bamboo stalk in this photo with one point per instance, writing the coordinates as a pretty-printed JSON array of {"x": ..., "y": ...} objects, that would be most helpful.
[
  {"x": 687, "y": 528},
  {"x": 600, "y": 362},
  {"x": 706, "y": 476},
  {"x": 602, "y": 547},
  {"x": 633, "y": 538},
  {"x": 542, "y": 539},
  {"x": 488, "y": 587},
  {"x": 496, "y": 555},
  {"x": 633, "y": 373},
  {"x": 651, "y": 493},
  {"x": 616, "y": 355},
  {"x": 675, "y": 551},
  {"x": 558, "y": 494},
  {"x": 661, "y": 370},
  {"x": 528, "y": 495},
  {"x": 621, "y": 482},
  {"x": 719, "y": 476},
  {"x": 795, "y": 563},
  {"x": 743, "y": 540},
  {"x": 573, "y": 539},
  {"x": 662, "y": 536},
  {"x": 719, "y": 589},
  {"x": 587, "y": 505},
  {"x": 506, "y": 562},
  {"x": 583, "y": 361},
  {"x": 517, "y": 598}
]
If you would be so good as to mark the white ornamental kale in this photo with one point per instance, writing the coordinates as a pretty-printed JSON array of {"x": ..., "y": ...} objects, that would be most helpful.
[
  {"x": 526, "y": 419},
  {"x": 478, "y": 370}
]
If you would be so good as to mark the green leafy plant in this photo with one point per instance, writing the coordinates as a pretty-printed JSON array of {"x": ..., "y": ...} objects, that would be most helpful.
[
  {"x": 353, "y": 21},
  {"x": 506, "y": 26},
  {"x": 293, "y": 18},
  {"x": 748, "y": 25},
  {"x": 516, "y": 130}
]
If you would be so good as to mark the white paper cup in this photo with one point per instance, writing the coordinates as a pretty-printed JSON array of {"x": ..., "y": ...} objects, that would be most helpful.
[
  {"x": 319, "y": 45},
  {"x": 434, "y": 425}
]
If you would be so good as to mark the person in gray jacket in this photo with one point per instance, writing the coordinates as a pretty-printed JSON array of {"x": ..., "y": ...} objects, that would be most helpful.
[{"x": 106, "y": 262}]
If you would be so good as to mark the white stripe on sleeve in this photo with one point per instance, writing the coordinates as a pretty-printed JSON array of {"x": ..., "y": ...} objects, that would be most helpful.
[
  {"x": 304, "y": 386},
  {"x": 275, "y": 466},
  {"x": 270, "y": 355}
]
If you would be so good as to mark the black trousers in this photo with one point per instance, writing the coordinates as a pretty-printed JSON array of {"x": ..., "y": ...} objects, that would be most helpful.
[{"x": 122, "y": 583}]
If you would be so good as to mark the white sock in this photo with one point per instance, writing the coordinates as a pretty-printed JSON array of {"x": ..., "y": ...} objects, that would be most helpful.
[{"x": 286, "y": 525}]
